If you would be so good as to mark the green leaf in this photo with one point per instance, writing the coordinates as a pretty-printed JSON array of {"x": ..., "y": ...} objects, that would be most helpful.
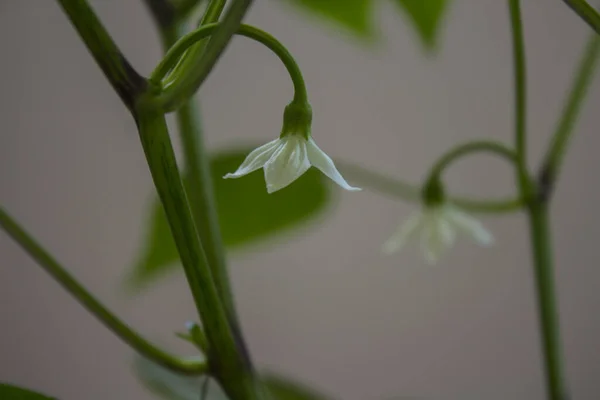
[
  {"x": 170, "y": 386},
  {"x": 10, "y": 392},
  {"x": 247, "y": 213},
  {"x": 353, "y": 15},
  {"x": 426, "y": 15}
]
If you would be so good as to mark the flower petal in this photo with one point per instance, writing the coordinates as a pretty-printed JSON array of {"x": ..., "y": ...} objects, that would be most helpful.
[
  {"x": 470, "y": 225},
  {"x": 322, "y": 161},
  {"x": 256, "y": 159},
  {"x": 437, "y": 235},
  {"x": 287, "y": 163},
  {"x": 404, "y": 233}
]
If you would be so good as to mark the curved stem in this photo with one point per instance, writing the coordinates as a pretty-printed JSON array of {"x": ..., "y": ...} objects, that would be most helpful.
[
  {"x": 586, "y": 12},
  {"x": 556, "y": 152},
  {"x": 128, "y": 335},
  {"x": 520, "y": 80},
  {"x": 404, "y": 191},
  {"x": 467, "y": 148},
  {"x": 178, "y": 49},
  {"x": 194, "y": 73}
]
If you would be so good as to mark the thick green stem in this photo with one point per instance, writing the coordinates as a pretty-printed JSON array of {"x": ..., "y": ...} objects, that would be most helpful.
[
  {"x": 586, "y": 12},
  {"x": 546, "y": 300},
  {"x": 122, "y": 330},
  {"x": 195, "y": 73},
  {"x": 228, "y": 360},
  {"x": 124, "y": 79},
  {"x": 200, "y": 189},
  {"x": 556, "y": 152},
  {"x": 520, "y": 79}
]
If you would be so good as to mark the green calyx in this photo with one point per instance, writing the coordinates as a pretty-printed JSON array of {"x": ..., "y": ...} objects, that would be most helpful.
[
  {"x": 297, "y": 119},
  {"x": 433, "y": 193}
]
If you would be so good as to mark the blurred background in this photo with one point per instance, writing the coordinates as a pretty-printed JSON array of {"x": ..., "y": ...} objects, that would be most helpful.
[{"x": 320, "y": 304}]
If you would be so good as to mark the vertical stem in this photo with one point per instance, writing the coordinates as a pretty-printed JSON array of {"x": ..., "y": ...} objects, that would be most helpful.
[
  {"x": 227, "y": 357},
  {"x": 202, "y": 198},
  {"x": 520, "y": 79},
  {"x": 200, "y": 189},
  {"x": 546, "y": 300},
  {"x": 538, "y": 221}
]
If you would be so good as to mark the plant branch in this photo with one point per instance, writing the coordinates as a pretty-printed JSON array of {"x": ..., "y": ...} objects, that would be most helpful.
[
  {"x": 555, "y": 155},
  {"x": 520, "y": 81},
  {"x": 190, "y": 78},
  {"x": 586, "y": 12},
  {"x": 175, "y": 53},
  {"x": 546, "y": 300},
  {"x": 200, "y": 190},
  {"x": 397, "y": 189},
  {"x": 122, "y": 330},
  {"x": 128, "y": 84},
  {"x": 227, "y": 357},
  {"x": 468, "y": 148}
]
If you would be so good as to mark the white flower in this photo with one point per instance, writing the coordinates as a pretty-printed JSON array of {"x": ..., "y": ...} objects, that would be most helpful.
[
  {"x": 285, "y": 159},
  {"x": 437, "y": 227}
]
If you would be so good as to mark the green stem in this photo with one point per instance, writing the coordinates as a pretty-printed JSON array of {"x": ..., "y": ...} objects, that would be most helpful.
[
  {"x": 178, "y": 49},
  {"x": 546, "y": 300},
  {"x": 394, "y": 188},
  {"x": 228, "y": 359},
  {"x": 122, "y": 330},
  {"x": 211, "y": 15},
  {"x": 200, "y": 189},
  {"x": 468, "y": 148},
  {"x": 556, "y": 152},
  {"x": 520, "y": 78},
  {"x": 193, "y": 74},
  {"x": 586, "y": 12},
  {"x": 128, "y": 84}
]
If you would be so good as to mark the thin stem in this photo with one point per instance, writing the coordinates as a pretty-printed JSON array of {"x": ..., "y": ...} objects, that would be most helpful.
[
  {"x": 404, "y": 191},
  {"x": 520, "y": 79},
  {"x": 468, "y": 148},
  {"x": 69, "y": 283},
  {"x": 546, "y": 300},
  {"x": 556, "y": 152},
  {"x": 178, "y": 49},
  {"x": 227, "y": 357},
  {"x": 211, "y": 15},
  {"x": 128, "y": 84},
  {"x": 586, "y": 12},
  {"x": 195, "y": 73}
]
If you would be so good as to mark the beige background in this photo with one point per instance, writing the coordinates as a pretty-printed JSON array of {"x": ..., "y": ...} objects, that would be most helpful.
[{"x": 323, "y": 305}]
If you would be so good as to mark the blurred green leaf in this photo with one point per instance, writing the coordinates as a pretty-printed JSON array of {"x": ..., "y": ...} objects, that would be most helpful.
[
  {"x": 353, "y": 15},
  {"x": 247, "y": 213},
  {"x": 426, "y": 15},
  {"x": 171, "y": 386},
  {"x": 284, "y": 389},
  {"x": 10, "y": 392}
]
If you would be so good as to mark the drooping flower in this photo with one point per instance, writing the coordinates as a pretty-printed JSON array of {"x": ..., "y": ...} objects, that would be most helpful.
[
  {"x": 437, "y": 225},
  {"x": 286, "y": 158}
]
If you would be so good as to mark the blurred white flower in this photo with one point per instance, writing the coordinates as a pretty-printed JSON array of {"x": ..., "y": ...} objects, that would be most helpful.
[
  {"x": 437, "y": 227},
  {"x": 285, "y": 159}
]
